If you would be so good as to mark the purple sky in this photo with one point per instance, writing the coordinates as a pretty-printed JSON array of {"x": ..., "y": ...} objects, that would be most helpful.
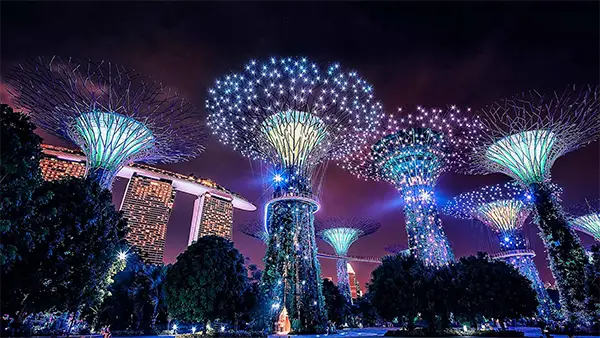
[{"x": 430, "y": 54}]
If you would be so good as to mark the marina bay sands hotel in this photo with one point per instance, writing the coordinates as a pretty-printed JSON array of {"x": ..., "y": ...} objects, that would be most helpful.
[{"x": 149, "y": 197}]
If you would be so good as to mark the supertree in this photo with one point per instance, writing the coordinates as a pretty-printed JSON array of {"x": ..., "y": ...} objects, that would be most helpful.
[
  {"x": 504, "y": 209},
  {"x": 116, "y": 116},
  {"x": 412, "y": 154},
  {"x": 341, "y": 233},
  {"x": 295, "y": 115},
  {"x": 523, "y": 137},
  {"x": 255, "y": 229},
  {"x": 396, "y": 249},
  {"x": 587, "y": 219}
]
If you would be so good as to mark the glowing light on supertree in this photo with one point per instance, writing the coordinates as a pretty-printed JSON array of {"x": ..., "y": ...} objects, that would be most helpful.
[
  {"x": 504, "y": 209},
  {"x": 523, "y": 137},
  {"x": 412, "y": 154},
  {"x": 295, "y": 115},
  {"x": 116, "y": 116},
  {"x": 341, "y": 233},
  {"x": 587, "y": 219}
]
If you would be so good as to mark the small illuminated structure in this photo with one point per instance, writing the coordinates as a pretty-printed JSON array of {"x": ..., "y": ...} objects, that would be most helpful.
[
  {"x": 588, "y": 219},
  {"x": 114, "y": 115},
  {"x": 504, "y": 209},
  {"x": 341, "y": 233},
  {"x": 294, "y": 115},
  {"x": 413, "y": 153},
  {"x": 523, "y": 137}
]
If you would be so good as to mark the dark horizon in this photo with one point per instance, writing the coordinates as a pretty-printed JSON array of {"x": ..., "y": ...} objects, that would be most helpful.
[{"x": 430, "y": 54}]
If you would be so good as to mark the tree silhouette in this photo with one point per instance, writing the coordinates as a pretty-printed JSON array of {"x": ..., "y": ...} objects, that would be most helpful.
[
  {"x": 207, "y": 282},
  {"x": 20, "y": 176},
  {"x": 335, "y": 303},
  {"x": 72, "y": 266}
]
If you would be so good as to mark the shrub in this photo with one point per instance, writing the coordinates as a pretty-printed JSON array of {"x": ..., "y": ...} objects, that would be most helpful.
[
  {"x": 226, "y": 334},
  {"x": 452, "y": 333}
]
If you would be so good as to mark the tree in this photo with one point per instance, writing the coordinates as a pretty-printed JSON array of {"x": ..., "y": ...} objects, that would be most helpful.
[
  {"x": 399, "y": 273},
  {"x": 593, "y": 287},
  {"x": 20, "y": 176},
  {"x": 207, "y": 282},
  {"x": 148, "y": 296},
  {"x": 493, "y": 289},
  {"x": 335, "y": 303},
  {"x": 71, "y": 268},
  {"x": 473, "y": 287},
  {"x": 117, "y": 310},
  {"x": 364, "y": 312}
]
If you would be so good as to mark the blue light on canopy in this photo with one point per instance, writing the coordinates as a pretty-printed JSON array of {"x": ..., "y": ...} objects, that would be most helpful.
[
  {"x": 110, "y": 141},
  {"x": 115, "y": 115}
]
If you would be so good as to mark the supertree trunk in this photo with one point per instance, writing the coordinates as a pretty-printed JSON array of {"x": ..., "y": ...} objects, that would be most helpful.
[
  {"x": 292, "y": 272},
  {"x": 343, "y": 280},
  {"x": 567, "y": 256},
  {"x": 426, "y": 236}
]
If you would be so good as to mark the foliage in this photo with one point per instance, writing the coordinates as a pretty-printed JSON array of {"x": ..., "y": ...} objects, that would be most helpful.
[
  {"x": 364, "y": 312},
  {"x": 148, "y": 295},
  {"x": 20, "y": 176},
  {"x": 207, "y": 282},
  {"x": 117, "y": 310},
  {"x": 473, "y": 287},
  {"x": 493, "y": 289},
  {"x": 398, "y": 273},
  {"x": 566, "y": 255},
  {"x": 70, "y": 269},
  {"x": 337, "y": 307},
  {"x": 453, "y": 333},
  {"x": 291, "y": 279},
  {"x": 593, "y": 288},
  {"x": 226, "y": 334}
]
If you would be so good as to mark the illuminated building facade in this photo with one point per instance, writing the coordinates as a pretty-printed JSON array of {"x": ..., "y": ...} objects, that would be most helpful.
[
  {"x": 213, "y": 215},
  {"x": 354, "y": 286},
  {"x": 55, "y": 168},
  {"x": 213, "y": 210},
  {"x": 147, "y": 206}
]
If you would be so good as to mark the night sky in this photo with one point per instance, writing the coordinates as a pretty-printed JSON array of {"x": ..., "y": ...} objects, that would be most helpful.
[{"x": 430, "y": 54}]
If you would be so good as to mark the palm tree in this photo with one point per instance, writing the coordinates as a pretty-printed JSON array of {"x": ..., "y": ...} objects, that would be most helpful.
[{"x": 147, "y": 293}]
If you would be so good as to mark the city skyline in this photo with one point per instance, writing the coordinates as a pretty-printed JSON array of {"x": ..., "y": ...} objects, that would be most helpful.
[{"x": 411, "y": 71}]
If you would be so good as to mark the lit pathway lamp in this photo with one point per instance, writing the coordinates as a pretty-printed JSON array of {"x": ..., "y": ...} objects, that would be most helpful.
[
  {"x": 504, "y": 209},
  {"x": 412, "y": 153},
  {"x": 341, "y": 233},
  {"x": 523, "y": 138},
  {"x": 294, "y": 115},
  {"x": 116, "y": 116}
]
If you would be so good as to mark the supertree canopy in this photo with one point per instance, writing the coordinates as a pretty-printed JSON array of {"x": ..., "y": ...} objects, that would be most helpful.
[
  {"x": 412, "y": 155},
  {"x": 255, "y": 229},
  {"x": 116, "y": 116},
  {"x": 587, "y": 219},
  {"x": 293, "y": 114},
  {"x": 340, "y": 233},
  {"x": 523, "y": 137},
  {"x": 396, "y": 249},
  {"x": 504, "y": 209}
]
